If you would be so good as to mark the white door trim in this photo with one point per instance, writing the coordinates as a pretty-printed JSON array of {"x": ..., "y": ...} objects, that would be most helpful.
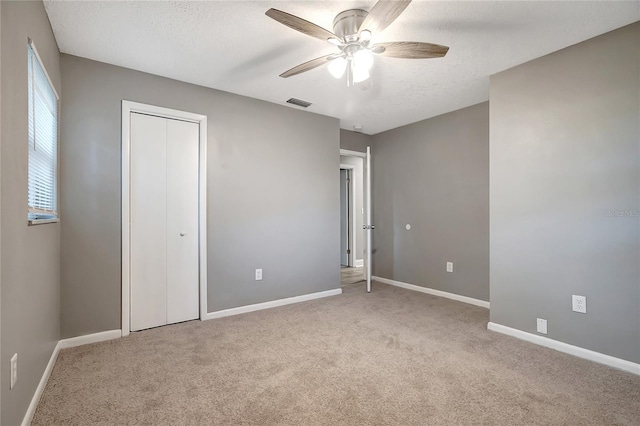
[
  {"x": 349, "y": 153},
  {"x": 127, "y": 108},
  {"x": 367, "y": 209}
]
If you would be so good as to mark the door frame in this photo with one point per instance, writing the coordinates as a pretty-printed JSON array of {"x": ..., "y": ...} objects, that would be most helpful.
[
  {"x": 363, "y": 155},
  {"x": 367, "y": 191},
  {"x": 352, "y": 213},
  {"x": 127, "y": 108}
]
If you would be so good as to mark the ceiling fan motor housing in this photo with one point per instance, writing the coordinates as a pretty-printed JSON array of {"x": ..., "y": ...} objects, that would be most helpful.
[{"x": 347, "y": 23}]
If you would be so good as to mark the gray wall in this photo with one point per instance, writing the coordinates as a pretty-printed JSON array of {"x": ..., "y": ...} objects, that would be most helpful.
[
  {"x": 564, "y": 153},
  {"x": 30, "y": 273},
  {"x": 358, "y": 201},
  {"x": 354, "y": 141},
  {"x": 273, "y": 199},
  {"x": 434, "y": 175}
]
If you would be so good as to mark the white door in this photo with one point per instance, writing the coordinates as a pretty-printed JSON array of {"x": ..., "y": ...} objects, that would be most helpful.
[
  {"x": 182, "y": 221},
  {"x": 368, "y": 226},
  {"x": 164, "y": 221}
]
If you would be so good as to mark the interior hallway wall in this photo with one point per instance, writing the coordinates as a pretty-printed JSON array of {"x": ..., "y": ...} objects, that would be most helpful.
[{"x": 354, "y": 141}]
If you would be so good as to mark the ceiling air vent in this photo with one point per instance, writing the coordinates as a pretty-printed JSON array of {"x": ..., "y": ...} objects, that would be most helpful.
[{"x": 298, "y": 102}]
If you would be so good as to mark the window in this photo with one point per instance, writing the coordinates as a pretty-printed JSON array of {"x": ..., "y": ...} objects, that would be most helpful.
[{"x": 43, "y": 142}]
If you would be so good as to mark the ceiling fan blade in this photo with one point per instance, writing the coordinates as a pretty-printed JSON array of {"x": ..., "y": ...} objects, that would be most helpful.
[
  {"x": 410, "y": 50},
  {"x": 299, "y": 24},
  {"x": 309, "y": 65},
  {"x": 382, "y": 14}
]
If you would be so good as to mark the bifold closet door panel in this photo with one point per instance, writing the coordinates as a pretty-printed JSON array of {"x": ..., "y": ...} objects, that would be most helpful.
[
  {"x": 148, "y": 204},
  {"x": 182, "y": 221}
]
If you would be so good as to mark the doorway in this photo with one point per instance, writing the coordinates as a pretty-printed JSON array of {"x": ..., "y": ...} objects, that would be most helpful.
[
  {"x": 163, "y": 216},
  {"x": 352, "y": 243}
]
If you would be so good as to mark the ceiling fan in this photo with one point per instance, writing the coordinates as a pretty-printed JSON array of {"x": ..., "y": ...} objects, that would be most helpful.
[{"x": 352, "y": 32}]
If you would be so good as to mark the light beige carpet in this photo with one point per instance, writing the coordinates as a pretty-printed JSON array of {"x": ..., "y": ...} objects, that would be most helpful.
[{"x": 392, "y": 357}]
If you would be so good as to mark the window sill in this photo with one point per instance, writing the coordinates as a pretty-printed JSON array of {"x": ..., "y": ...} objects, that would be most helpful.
[{"x": 32, "y": 222}]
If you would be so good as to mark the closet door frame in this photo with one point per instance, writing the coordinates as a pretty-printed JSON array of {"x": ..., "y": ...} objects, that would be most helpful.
[{"x": 129, "y": 107}]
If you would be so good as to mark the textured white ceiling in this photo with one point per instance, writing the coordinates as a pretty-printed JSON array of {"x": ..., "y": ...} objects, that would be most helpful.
[{"x": 233, "y": 46}]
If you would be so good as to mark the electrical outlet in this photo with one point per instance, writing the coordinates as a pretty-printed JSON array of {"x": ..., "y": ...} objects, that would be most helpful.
[
  {"x": 258, "y": 274},
  {"x": 542, "y": 326},
  {"x": 449, "y": 266},
  {"x": 579, "y": 304},
  {"x": 14, "y": 370}
]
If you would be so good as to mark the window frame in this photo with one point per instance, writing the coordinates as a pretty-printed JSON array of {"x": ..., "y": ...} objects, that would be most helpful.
[{"x": 54, "y": 217}]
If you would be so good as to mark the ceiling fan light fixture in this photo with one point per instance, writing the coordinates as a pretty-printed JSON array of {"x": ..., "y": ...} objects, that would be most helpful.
[
  {"x": 337, "y": 67},
  {"x": 363, "y": 59},
  {"x": 365, "y": 35},
  {"x": 360, "y": 73}
]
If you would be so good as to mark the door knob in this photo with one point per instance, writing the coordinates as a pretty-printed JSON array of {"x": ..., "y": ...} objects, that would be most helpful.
[{"x": 182, "y": 234}]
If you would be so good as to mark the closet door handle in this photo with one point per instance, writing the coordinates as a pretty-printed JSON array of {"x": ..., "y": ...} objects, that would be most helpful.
[{"x": 182, "y": 234}]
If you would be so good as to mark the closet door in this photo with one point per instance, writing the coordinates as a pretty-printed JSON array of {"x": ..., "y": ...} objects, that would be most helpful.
[
  {"x": 164, "y": 221},
  {"x": 182, "y": 221},
  {"x": 148, "y": 206}
]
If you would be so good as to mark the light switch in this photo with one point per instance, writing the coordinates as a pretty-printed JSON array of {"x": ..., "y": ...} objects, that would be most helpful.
[{"x": 542, "y": 326}]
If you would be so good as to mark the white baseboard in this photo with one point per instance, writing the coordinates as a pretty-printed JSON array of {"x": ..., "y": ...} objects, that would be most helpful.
[
  {"x": 40, "y": 389},
  {"x": 90, "y": 338},
  {"x": 358, "y": 263},
  {"x": 63, "y": 344},
  {"x": 588, "y": 354},
  {"x": 433, "y": 292},
  {"x": 271, "y": 304}
]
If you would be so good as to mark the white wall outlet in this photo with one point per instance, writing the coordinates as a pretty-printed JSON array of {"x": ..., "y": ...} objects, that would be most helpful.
[
  {"x": 258, "y": 274},
  {"x": 579, "y": 304},
  {"x": 14, "y": 370},
  {"x": 542, "y": 326},
  {"x": 449, "y": 266}
]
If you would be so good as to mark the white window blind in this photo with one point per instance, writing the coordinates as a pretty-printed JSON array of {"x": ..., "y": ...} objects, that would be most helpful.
[{"x": 43, "y": 141}]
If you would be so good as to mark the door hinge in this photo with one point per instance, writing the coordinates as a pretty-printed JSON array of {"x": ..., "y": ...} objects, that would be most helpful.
[{"x": 348, "y": 251}]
